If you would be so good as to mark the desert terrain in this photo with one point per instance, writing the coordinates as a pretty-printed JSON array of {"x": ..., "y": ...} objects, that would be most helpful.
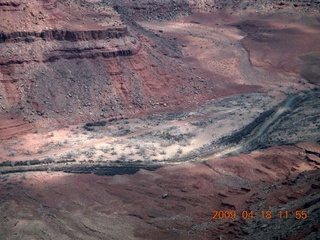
[{"x": 148, "y": 119}]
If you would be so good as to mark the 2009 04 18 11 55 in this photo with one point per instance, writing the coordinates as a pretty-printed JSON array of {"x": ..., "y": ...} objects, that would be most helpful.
[{"x": 264, "y": 214}]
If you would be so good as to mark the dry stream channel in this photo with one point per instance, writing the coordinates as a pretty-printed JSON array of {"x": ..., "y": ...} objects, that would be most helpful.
[{"x": 294, "y": 120}]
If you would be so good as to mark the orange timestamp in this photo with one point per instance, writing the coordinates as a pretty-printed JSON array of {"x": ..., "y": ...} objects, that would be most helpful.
[{"x": 264, "y": 214}]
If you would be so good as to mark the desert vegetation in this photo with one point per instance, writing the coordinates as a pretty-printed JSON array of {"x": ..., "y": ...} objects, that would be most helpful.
[
  {"x": 92, "y": 92},
  {"x": 164, "y": 138}
]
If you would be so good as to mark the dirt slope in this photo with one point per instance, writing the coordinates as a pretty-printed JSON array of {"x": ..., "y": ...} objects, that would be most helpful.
[
  {"x": 73, "y": 61},
  {"x": 171, "y": 203}
]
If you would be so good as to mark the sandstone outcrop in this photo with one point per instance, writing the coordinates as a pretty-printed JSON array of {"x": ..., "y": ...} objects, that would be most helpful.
[{"x": 72, "y": 61}]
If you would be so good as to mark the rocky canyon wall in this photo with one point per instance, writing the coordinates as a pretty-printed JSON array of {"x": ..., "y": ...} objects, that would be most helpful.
[{"x": 74, "y": 61}]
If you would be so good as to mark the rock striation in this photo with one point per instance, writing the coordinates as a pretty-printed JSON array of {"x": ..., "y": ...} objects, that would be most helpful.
[{"x": 72, "y": 61}]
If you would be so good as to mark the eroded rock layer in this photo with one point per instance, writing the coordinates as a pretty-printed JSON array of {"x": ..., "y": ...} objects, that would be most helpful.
[{"x": 73, "y": 60}]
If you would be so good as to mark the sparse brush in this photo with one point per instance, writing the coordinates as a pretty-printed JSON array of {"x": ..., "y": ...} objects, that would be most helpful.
[
  {"x": 173, "y": 158},
  {"x": 49, "y": 159},
  {"x": 59, "y": 144},
  {"x": 137, "y": 146},
  {"x": 141, "y": 152},
  {"x": 100, "y": 159},
  {"x": 153, "y": 148},
  {"x": 105, "y": 149},
  {"x": 93, "y": 135},
  {"x": 68, "y": 155},
  {"x": 162, "y": 152},
  {"x": 12, "y": 152},
  {"x": 90, "y": 152}
]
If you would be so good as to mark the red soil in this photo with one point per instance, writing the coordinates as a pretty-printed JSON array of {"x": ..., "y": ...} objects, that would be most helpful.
[{"x": 171, "y": 203}]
